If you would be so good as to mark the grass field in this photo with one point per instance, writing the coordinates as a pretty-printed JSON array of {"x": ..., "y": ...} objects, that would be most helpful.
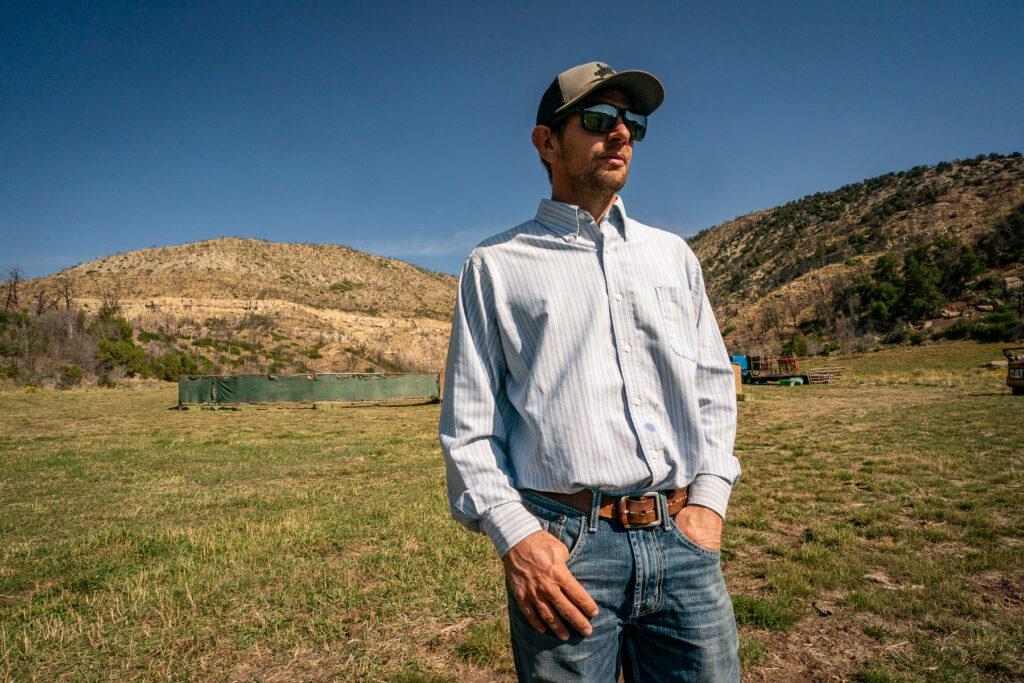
[{"x": 877, "y": 534}]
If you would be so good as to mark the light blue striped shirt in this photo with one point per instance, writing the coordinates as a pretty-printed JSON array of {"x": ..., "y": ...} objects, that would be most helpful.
[{"x": 583, "y": 356}]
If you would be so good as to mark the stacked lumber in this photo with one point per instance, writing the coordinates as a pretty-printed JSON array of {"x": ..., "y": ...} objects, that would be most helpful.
[{"x": 828, "y": 375}]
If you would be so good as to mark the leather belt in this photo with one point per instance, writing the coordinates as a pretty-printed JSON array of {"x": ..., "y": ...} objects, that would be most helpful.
[{"x": 641, "y": 510}]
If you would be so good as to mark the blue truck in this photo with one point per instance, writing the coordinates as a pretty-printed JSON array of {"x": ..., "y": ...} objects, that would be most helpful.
[{"x": 770, "y": 370}]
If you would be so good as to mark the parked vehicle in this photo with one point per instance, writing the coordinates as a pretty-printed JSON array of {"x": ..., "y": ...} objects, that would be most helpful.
[
  {"x": 770, "y": 369},
  {"x": 1015, "y": 369}
]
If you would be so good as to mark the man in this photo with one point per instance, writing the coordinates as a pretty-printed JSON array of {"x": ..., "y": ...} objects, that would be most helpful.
[{"x": 590, "y": 413}]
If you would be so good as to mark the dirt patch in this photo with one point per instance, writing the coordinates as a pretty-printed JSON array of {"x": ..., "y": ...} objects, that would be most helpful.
[
  {"x": 822, "y": 649},
  {"x": 1000, "y": 587}
]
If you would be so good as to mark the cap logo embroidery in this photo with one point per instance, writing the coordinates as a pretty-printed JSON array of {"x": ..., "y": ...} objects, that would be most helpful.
[{"x": 604, "y": 70}]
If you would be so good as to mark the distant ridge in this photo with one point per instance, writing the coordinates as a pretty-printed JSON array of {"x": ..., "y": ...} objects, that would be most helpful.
[
  {"x": 775, "y": 275},
  {"x": 775, "y": 272},
  {"x": 323, "y": 307},
  {"x": 324, "y": 275}
]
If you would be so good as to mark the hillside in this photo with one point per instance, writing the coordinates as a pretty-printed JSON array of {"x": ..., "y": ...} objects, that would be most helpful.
[
  {"x": 928, "y": 252},
  {"x": 251, "y": 305},
  {"x": 795, "y": 268}
]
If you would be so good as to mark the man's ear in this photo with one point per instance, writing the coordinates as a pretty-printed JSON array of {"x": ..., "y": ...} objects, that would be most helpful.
[{"x": 545, "y": 143}]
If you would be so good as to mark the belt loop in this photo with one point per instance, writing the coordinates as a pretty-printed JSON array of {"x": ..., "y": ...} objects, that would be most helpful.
[
  {"x": 666, "y": 519},
  {"x": 595, "y": 510}
]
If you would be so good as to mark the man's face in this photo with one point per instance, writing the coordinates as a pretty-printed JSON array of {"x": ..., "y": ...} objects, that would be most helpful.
[{"x": 596, "y": 162}]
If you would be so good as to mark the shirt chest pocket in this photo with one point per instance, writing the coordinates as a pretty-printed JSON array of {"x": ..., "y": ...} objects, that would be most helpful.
[{"x": 680, "y": 324}]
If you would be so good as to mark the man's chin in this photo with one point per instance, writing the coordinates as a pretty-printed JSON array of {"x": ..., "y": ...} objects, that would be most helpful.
[{"x": 611, "y": 180}]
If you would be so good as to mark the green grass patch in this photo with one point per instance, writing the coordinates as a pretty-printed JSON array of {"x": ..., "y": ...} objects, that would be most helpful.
[
  {"x": 766, "y": 614},
  {"x": 875, "y": 535}
]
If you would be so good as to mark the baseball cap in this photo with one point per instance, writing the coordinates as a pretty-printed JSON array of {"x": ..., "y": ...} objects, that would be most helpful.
[{"x": 645, "y": 92}]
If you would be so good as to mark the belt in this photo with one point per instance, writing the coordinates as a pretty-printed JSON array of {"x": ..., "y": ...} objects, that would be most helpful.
[{"x": 632, "y": 512}]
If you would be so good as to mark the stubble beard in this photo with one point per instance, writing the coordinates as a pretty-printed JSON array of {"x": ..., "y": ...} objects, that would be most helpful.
[{"x": 598, "y": 183}]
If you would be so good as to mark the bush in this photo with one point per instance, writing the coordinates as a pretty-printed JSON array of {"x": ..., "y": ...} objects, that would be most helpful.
[
  {"x": 963, "y": 328},
  {"x": 173, "y": 365},
  {"x": 996, "y": 326},
  {"x": 70, "y": 376},
  {"x": 107, "y": 325},
  {"x": 122, "y": 353},
  {"x": 797, "y": 346},
  {"x": 896, "y": 337},
  {"x": 1005, "y": 244}
]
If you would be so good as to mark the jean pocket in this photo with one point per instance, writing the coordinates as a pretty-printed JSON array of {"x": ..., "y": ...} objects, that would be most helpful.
[
  {"x": 680, "y": 328},
  {"x": 692, "y": 544},
  {"x": 561, "y": 521}
]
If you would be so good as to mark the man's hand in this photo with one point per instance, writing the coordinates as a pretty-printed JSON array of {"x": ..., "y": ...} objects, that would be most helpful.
[
  {"x": 701, "y": 525},
  {"x": 546, "y": 590}
]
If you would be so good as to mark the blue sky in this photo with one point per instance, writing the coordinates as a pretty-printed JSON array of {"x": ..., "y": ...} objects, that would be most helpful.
[{"x": 403, "y": 128}]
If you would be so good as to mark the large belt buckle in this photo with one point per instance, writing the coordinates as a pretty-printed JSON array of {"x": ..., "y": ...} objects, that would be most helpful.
[{"x": 624, "y": 511}]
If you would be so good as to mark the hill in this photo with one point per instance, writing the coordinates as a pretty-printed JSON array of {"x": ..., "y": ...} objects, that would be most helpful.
[
  {"x": 929, "y": 252},
  {"x": 805, "y": 270},
  {"x": 254, "y": 306}
]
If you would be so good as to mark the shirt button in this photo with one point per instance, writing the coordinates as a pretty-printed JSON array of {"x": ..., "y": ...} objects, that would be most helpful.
[
  {"x": 636, "y": 402},
  {"x": 627, "y": 348},
  {"x": 618, "y": 297},
  {"x": 571, "y": 238}
]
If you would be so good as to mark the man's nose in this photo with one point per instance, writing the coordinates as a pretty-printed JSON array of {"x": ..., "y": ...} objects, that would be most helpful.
[{"x": 620, "y": 131}]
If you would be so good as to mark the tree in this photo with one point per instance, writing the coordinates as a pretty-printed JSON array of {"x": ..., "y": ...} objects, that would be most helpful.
[
  {"x": 65, "y": 285},
  {"x": 957, "y": 263},
  {"x": 771, "y": 320},
  {"x": 43, "y": 301},
  {"x": 920, "y": 297},
  {"x": 14, "y": 277},
  {"x": 886, "y": 269},
  {"x": 1005, "y": 244}
]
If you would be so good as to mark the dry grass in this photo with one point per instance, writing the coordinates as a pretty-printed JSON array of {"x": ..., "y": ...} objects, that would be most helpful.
[{"x": 876, "y": 535}]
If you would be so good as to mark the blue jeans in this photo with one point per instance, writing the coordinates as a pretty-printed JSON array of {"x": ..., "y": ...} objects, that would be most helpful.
[{"x": 665, "y": 614}]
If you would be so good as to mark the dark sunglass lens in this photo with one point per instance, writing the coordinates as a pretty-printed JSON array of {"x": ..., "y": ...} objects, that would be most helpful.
[
  {"x": 599, "y": 118},
  {"x": 637, "y": 124}
]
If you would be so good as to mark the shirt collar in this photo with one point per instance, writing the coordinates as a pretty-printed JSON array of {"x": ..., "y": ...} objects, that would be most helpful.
[{"x": 565, "y": 220}]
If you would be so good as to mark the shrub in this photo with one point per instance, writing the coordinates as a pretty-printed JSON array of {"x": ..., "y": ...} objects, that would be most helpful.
[
  {"x": 963, "y": 328},
  {"x": 345, "y": 285},
  {"x": 917, "y": 337},
  {"x": 1005, "y": 244},
  {"x": 895, "y": 337},
  {"x": 996, "y": 326},
  {"x": 107, "y": 325},
  {"x": 174, "y": 364},
  {"x": 122, "y": 353},
  {"x": 797, "y": 346},
  {"x": 70, "y": 376},
  {"x": 255, "y": 321}
]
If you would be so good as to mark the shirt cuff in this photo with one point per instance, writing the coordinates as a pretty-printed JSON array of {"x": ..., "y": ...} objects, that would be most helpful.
[
  {"x": 507, "y": 524},
  {"x": 710, "y": 491}
]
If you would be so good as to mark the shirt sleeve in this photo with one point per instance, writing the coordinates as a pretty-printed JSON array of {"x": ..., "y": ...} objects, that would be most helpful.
[
  {"x": 716, "y": 398},
  {"x": 472, "y": 430}
]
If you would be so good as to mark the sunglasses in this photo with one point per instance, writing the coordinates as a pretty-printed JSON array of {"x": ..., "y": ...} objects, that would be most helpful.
[{"x": 601, "y": 118}]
